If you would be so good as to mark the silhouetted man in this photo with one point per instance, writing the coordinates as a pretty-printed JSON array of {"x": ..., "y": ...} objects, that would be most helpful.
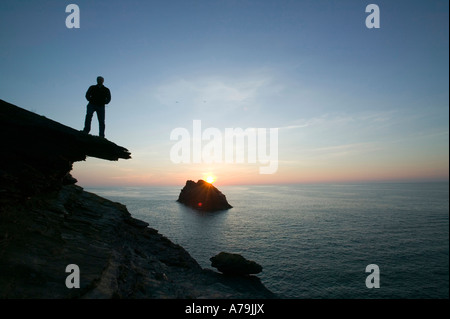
[{"x": 98, "y": 96}]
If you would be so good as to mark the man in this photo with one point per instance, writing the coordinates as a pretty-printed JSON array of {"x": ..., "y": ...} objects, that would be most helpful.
[{"x": 98, "y": 96}]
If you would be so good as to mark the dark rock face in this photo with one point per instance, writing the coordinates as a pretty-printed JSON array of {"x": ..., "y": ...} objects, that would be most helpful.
[
  {"x": 234, "y": 264},
  {"x": 38, "y": 153},
  {"x": 48, "y": 223},
  {"x": 203, "y": 196}
]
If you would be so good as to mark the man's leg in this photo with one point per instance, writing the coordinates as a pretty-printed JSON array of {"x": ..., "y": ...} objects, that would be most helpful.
[
  {"x": 101, "y": 120},
  {"x": 87, "y": 121}
]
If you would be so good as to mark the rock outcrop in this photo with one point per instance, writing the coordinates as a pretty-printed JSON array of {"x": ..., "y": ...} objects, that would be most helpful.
[
  {"x": 234, "y": 264},
  {"x": 38, "y": 153},
  {"x": 47, "y": 223},
  {"x": 203, "y": 196}
]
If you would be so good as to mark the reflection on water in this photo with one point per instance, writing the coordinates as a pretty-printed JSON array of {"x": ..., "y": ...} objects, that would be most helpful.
[{"x": 314, "y": 241}]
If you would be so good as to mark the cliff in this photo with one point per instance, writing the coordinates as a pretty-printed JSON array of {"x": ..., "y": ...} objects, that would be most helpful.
[
  {"x": 47, "y": 223},
  {"x": 38, "y": 153}
]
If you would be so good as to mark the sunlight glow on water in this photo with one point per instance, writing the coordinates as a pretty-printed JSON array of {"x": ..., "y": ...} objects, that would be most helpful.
[{"x": 314, "y": 241}]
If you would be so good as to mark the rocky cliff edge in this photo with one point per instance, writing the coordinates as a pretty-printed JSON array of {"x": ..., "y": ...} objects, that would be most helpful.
[{"x": 48, "y": 223}]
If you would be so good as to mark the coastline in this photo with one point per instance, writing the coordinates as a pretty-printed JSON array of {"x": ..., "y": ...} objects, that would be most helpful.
[
  {"x": 48, "y": 224},
  {"x": 118, "y": 256},
  {"x": 315, "y": 242}
]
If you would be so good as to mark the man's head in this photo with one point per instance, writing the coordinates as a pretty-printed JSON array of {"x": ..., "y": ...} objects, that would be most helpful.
[{"x": 100, "y": 80}]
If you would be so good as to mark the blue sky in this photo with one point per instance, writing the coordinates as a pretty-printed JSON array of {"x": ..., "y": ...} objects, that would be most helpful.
[{"x": 350, "y": 103}]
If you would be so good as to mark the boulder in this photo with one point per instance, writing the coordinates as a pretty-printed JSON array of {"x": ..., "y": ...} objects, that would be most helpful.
[
  {"x": 203, "y": 196},
  {"x": 234, "y": 264}
]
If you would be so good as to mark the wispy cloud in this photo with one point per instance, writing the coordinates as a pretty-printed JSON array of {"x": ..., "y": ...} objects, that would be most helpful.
[
  {"x": 205, "y": 91},
  {"x": 343, "y": 150},
  {"x": 336, "y": 119}
]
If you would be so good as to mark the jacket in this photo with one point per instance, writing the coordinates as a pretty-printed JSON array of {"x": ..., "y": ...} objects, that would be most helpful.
[{"x": 98, "y": 95}]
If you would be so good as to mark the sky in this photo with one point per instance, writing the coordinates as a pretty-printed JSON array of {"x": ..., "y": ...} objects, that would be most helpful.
[{"x": 321, "y": 97}]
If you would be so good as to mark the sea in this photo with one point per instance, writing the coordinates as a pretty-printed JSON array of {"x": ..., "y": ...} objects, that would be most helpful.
[{"x": 321, "y": 241}]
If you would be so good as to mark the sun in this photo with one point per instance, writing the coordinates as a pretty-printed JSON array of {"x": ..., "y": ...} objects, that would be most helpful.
[{"x": 210, "y": 179}]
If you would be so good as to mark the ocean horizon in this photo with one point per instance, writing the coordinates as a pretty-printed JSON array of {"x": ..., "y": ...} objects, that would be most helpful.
[{"x": 315, "y": 241}]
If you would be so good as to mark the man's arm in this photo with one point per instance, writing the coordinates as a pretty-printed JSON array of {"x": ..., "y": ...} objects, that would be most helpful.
[
  {"x": 108, "y": 96},
  {"x": 88, "y": 94}
]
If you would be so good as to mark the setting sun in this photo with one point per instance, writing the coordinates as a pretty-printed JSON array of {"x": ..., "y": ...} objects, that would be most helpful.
[{"x": 210, "y": 179}]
